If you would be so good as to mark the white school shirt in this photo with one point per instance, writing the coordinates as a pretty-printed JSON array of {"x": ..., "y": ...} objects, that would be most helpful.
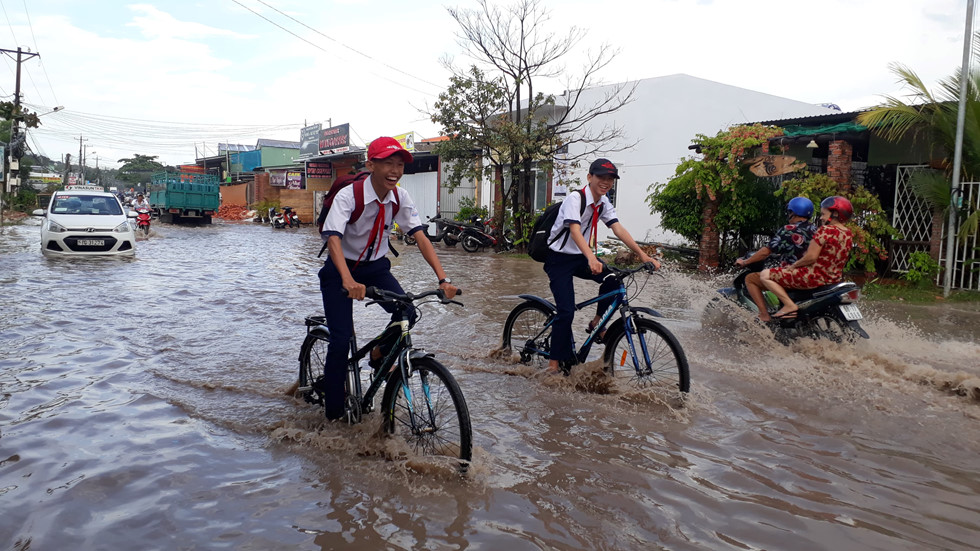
[
  {"x": 569, "y": 212},
  {"x": 354, "y": 237}
]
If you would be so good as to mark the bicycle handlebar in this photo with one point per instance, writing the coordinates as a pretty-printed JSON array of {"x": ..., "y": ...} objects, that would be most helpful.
[{"x": 383, "y": 295}]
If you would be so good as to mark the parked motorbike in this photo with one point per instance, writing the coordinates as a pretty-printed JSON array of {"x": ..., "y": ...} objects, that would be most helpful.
[
  {"x": 480, "y": 235},
  {"x": 447, "y": 231},
  {"x": 143, "y": 221},
  {"x": 286, "y": 218},
  {"x": 826, "y": 312}
]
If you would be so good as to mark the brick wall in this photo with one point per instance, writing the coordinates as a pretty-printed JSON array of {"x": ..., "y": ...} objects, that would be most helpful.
[{"x": 839, "y": 162}]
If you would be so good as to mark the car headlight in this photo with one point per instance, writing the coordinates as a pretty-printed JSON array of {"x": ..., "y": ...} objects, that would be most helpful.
[
  {"x": 123, "y": 228},
  {"x": 56, "y": 227}
]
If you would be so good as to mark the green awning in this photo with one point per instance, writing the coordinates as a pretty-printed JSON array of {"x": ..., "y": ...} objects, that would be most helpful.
[{"x": 841, "y": 128}]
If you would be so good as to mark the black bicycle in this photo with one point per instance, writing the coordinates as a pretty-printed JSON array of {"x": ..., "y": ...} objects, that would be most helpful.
[
  {"x": 639, "y": 351},
  {"x": 422, "y": 401}
]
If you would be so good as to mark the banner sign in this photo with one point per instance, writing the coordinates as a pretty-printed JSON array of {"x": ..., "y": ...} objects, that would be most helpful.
[
  {"x": 335, "y": 139},
  {"x": 319, "y": 169},
  {"x": 773, "y": 165},
  {"x": 309, "y": 140},
  {"x": 294, "y": 180},
  {"x": 407, "y": 140},
  {"x": 277, "y": 178}
]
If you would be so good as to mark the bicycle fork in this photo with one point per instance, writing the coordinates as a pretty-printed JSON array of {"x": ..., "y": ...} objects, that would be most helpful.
[
  {"x": 629, "y": 329},
  {"x": 418, "y": 426}
]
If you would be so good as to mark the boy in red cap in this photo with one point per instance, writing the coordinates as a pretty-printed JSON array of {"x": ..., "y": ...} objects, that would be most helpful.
[
  {"x": 358, "y": 255},
  {"x": 574, "y": 256}
]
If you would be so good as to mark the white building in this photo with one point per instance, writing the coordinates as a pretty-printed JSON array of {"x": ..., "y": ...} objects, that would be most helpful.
[{"x": 665, "y": 115}]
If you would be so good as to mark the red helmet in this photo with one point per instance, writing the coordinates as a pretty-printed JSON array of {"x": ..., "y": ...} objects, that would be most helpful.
[{"x": 839, "y": 207}]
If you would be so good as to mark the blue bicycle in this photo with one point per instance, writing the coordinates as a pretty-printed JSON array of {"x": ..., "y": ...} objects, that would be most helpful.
[{"x": 639, "y": 351}]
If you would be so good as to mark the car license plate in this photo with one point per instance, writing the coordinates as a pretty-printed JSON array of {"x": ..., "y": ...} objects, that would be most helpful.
[
  {"x": 850, "y": 312},
  {"x": 91, "y": 242}
]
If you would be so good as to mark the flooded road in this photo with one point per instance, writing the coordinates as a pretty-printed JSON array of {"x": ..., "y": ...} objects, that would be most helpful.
[{"x": 143, "y": 406}]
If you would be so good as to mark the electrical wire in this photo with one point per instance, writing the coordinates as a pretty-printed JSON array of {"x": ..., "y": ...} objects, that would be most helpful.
[
  {"x": 321, "y": 48},
  {"x": 9, "y": 25},
  {"x": 358, "y": 52},
  {"x": 39, "y": 60}
]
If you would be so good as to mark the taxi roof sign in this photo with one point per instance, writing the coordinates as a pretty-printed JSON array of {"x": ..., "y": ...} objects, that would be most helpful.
[{"x": 84, "y": 187}]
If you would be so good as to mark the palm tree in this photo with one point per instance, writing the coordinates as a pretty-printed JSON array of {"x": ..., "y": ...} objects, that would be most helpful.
[{"x": 932, "y": 117}]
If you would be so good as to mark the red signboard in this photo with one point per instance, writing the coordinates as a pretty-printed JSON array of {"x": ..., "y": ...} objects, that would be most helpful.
[{"x": 335, "y": 138}]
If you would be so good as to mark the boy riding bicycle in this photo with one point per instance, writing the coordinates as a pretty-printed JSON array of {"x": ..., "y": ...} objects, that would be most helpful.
[
  {"x": 574, "y": 256},
  {"x": 357, "y": 255}
]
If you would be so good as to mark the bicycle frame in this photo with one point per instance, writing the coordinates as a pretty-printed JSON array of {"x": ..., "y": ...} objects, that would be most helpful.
[
  {"x": 621, "y": 303},
  {"x": 398, "y": 334}
]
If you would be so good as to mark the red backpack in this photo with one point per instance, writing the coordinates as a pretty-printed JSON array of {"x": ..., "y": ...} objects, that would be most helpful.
[{"x": 357, "y": 180}]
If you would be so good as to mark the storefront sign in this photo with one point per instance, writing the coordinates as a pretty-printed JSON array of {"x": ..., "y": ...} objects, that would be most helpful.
[
  {"x": 294, "y": 180},
  {"x": 335, "y": 139},
  {"x": 319, "y": 169},
  {"x": 773, "y": 165},
  {"x": 407, "y": 140},
  {"x": 309, "y": 140},
  {"x": 277, "y": 178}
]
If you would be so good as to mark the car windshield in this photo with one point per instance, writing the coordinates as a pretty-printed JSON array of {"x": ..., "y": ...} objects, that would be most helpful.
[{"x": 85, "y": 204}]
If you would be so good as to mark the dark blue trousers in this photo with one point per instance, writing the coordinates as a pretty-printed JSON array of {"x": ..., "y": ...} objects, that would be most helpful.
[
  {"x": 338, "y": 309},
  {"x": 561, "y": 268}
]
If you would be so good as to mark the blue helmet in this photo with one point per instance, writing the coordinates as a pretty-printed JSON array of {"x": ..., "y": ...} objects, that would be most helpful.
[{"x": 800, "y": 206}]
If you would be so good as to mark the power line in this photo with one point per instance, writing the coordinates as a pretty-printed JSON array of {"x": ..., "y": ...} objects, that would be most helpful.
[
  {"x": 358, "y": 52},
  {"x": 321, "y": 48},
  {"x": 8, "y": 22},
  {"x": 40, "y": 61}
]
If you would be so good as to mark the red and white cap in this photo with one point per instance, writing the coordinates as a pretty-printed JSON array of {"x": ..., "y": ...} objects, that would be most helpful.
[{"x": 385, "y": 147}]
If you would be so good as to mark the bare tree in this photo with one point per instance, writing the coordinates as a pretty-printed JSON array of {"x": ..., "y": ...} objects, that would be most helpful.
[{"x": 524, "y": 128}]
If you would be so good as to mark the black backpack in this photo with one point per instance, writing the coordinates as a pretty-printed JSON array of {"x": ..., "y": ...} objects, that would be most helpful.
[{"x": 539, "y": 245}]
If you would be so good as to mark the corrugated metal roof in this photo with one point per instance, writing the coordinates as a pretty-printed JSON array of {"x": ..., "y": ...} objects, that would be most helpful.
[
  {"x": 263, "y": 142},
  {"x": 814, "y": 120}
]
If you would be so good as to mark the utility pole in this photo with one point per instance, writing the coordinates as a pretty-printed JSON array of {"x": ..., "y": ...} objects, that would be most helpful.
[
  {"x": 81, "y": 159},
  {"x": 14, "y": 148},
  {"x": 958, "y": 153}
]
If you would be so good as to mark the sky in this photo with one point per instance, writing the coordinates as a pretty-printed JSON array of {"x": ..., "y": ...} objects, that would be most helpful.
[{"x": 174, "y": 78}]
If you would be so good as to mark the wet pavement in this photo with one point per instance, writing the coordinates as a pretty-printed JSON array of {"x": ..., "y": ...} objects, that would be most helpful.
[{"x": 143, "y": 406}]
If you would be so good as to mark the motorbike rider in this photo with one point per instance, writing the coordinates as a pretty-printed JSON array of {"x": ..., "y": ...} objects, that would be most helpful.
[
  {"x": 786, "y": 247},
  {"x": 141, "y": 202},
  {"x": 824, "y": 260}
]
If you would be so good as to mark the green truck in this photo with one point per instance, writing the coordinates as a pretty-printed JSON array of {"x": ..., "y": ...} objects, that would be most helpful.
[{"x": 184, "y": 197}]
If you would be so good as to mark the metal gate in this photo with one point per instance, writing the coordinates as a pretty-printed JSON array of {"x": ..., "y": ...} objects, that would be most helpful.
[
  {"x": 966, "y": 255},
  {"x": 912, "y": 218},
  {"x": 449, "y": 199}
]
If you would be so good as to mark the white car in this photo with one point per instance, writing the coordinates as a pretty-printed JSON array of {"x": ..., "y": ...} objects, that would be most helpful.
[{"x": 85, "y": 221}]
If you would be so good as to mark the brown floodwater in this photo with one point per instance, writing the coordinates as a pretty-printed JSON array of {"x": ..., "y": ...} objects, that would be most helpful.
[{"x": 143, "y": 406}]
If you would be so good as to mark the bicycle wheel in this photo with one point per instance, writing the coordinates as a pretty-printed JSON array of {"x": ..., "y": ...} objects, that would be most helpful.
[
  {"x": 527, "y": 332},
  {"x": 312, "y": 357},
  {"x": 429, "y": 412},
  {"x": 668, "y": 364}
]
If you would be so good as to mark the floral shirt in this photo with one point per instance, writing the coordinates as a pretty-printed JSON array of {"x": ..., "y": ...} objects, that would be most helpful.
[
  {"x": 835, "y": 247},
  {"x": 789, "y": 244}
]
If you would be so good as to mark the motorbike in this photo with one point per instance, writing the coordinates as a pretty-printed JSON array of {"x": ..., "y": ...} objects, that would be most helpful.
[
  {"x": 283, "y": 219},
  {"x": 447, "y": 231},
  {"x": 827, "y": 312},
  {"x": 143, "y": 221},
  {"x": 480, "y": 235}
]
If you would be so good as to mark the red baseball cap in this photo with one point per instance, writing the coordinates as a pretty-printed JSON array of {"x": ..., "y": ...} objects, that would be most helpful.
[{"x": 385, "y": 147}]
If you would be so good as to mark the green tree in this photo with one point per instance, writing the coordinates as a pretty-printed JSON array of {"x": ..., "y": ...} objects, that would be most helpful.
[
  {"x": 493, "y": 110},
  {"x": 869, "y": 225},
  {"x": 930, "y": 117},
  {"x": 138, "y": 168},
  {"x": 716, "y": 194}
]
